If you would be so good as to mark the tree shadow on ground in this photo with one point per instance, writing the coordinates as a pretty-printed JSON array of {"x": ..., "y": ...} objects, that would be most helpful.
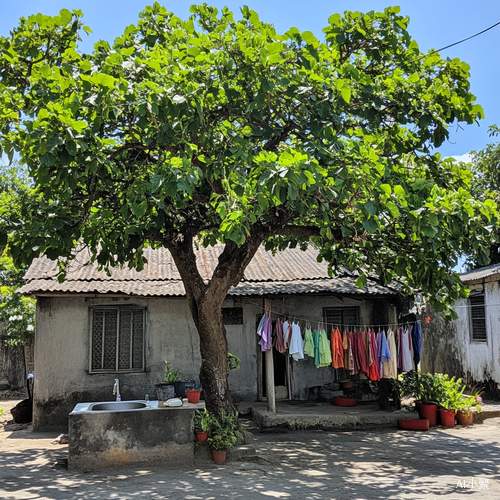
[{"x": 295, "y": 465}]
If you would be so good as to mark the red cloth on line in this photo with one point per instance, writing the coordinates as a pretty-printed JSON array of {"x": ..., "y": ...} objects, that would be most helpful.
[{"x": 337, "y": 349}]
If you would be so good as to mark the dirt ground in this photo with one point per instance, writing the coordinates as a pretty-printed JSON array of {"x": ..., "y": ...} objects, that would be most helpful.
[{"x": 359, "y": 465}]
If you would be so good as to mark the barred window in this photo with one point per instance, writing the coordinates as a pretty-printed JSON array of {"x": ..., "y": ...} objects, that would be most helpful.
[
  {"x": 341, "y": 316},
  {"x": 117, "y": 339},
  {"x": 478, "y": 318}
]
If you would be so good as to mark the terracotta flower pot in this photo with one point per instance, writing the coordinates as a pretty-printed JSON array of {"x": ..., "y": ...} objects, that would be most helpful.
[
  {"x": 201, "y": 436},
  {"x": 344, "y": 401},
  {"x": 429, "y": 412},
  {"x": 414, "y": 424},
  {"x": 464, "y": 418},
  {"x": 219, "y": 457},
  {"x": 447, "y": 418},
  {"x": 193, "y": 396}
]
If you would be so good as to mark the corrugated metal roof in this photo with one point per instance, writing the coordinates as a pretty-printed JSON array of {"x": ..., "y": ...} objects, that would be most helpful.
[
  {"x": 480, "y": 273},
  {"x": 289, "y": 272}
]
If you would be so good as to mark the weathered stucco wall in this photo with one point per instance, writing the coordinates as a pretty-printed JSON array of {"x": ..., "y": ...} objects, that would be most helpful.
[
  {"x": 12, "y": 365},
  {"x": 63, "y": 343},
  {"x": 62, "y": 355},
  {"x": 447, "y": 348}
]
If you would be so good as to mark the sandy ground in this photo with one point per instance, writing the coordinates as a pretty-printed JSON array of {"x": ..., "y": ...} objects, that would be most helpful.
[{"x": 294, "y": 465}]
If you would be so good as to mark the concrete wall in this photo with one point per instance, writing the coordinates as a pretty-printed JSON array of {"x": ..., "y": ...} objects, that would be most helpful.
[
  {"x": 62, "y": 355},
  {"x": 62, "y": 350},
  {"x": 12, "y": 364},
  {"x": 447, "y": 347}
]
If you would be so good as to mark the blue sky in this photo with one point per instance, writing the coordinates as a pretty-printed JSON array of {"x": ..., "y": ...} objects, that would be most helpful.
[{"x": 434, "y": 24}]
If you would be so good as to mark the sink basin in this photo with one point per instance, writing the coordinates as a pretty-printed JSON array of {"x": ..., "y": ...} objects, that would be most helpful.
[{"x": 117, "y": 405}]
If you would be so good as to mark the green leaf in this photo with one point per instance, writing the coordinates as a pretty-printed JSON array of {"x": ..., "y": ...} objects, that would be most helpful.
[
  {"x": 345, "y": 92},
  {"x": 309, "y": 38},
  {"x": 393, "y": 209},
  {"x": 263, "y": 203},
  {"x": 429, "y": 231},
  {"x": 371, "y": 207},
  {"x": 370, "y": 225},
  {"x": 139, "y": 209},
  {"x": 361, "y": 281}
]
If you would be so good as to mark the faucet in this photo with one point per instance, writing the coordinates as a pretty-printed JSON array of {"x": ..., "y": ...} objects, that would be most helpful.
[{"x": 116, "y": 390}]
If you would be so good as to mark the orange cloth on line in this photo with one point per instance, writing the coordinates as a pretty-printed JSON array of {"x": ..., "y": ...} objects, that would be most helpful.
[
  {"x": 347, "y": 358},
  {"x": 373, "y": 373},
  {"x": 337, "y": 349}
]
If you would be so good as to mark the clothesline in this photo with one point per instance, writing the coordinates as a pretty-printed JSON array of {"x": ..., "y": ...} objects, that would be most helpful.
[{"x": 308, "y": 320}]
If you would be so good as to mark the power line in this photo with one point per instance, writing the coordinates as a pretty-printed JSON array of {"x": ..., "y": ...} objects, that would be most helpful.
[{"x": 465, "y": 39}]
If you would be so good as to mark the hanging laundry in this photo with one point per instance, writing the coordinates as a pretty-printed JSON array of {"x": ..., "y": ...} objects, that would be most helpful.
[
  {"x": 325, "y": 354},
  {"x": 265, "y": 332},
  {"x": 373, "y": 373},
  {"x": 417, "y": 342},
  {"x": 345, "y": 346},
  {"x": 296, "y": 343},
  {"x": 375, "y": 345},
  {"x": 278, "y": 342},
  {"x": 352, "y": 348},
  {"x": 337, "y": 349},
  {"x": 406, "y": 350},
  {"x": 287, "y": 332},
  {"x": 308, "y": 346},
  {"x": 384, "y": 353},
  {"x": 315, "y": 336},
  {"x": 362, "y": 365},
  {"x": 391, "y": 367}
]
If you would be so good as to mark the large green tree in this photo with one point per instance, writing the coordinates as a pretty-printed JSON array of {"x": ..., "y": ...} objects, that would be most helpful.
[
  {"x": 217, "y": 129},
  {"x": 485, "y": 166},
  {"x": 17, "y": 313}
]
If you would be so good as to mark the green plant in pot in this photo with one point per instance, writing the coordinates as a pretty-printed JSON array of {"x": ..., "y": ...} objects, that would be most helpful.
[
  {"x": 166, "y": 389},
  {"x": 201, "y": 424},
  {"x": 222, "y": 434},
  {"x": 467, "y": 404},
  {"x": 429, "y": 392},
  {"x": 453, "y": 390}
]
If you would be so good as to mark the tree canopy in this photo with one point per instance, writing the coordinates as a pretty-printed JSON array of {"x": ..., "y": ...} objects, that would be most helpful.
[
  {"x": 17, "y": 313},
  {"x": 486, "y": 184},
  {"x": 218, "y": 129}
]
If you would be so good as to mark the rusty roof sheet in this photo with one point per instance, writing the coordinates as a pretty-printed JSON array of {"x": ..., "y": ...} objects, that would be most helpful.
[
  {"x": 480, "y": 273},
  {"x": 289, "y": 272}
]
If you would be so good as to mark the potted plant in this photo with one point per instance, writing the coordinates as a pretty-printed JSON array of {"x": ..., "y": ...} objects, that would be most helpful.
[
  {"x": 453, "y": 390},
  {"x": 166, "y": 389},
  {"x": 222, "y": 432},
  {"x": 430, "y": 391},
  {"x": 464, "y": 413},
  {"x": 201, "y": 423}
]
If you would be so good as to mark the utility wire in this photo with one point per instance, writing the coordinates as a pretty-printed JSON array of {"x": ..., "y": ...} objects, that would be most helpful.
[{"x": 465, "y": 39}]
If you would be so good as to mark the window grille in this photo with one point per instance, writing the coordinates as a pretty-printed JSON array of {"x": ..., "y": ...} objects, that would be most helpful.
[
  {"x": 117, "y": 339},
  {"x": 478, "y": 318},
  {"x": 341, "y": 316}
]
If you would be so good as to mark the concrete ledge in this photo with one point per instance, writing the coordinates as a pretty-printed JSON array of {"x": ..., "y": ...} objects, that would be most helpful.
[
  {"x": 326, "y": 416},
  {"x": 108, "y": 439}
]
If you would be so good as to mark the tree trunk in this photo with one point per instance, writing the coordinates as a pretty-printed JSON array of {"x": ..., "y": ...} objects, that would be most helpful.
[
  {"x": 213, "y": 350},
  {"x": 205, "y": 302}
]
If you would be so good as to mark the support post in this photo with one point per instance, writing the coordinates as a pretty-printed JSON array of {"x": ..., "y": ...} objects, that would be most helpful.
[{"x": 271, "y": 396}]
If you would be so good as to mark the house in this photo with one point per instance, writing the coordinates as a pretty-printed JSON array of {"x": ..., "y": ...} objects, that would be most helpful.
[
  {"x": 469, "y": 347},
  {"x": 93, "y": 328}
]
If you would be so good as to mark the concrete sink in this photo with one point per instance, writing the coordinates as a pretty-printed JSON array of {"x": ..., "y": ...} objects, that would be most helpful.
[{"x": 117, "y": 405}]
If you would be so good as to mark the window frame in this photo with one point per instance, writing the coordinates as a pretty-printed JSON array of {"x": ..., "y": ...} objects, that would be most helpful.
[
  {"x": 472, "y": 339},
  {"x": 342, "y": 325},
  {"x": 118, "y": 309}
]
